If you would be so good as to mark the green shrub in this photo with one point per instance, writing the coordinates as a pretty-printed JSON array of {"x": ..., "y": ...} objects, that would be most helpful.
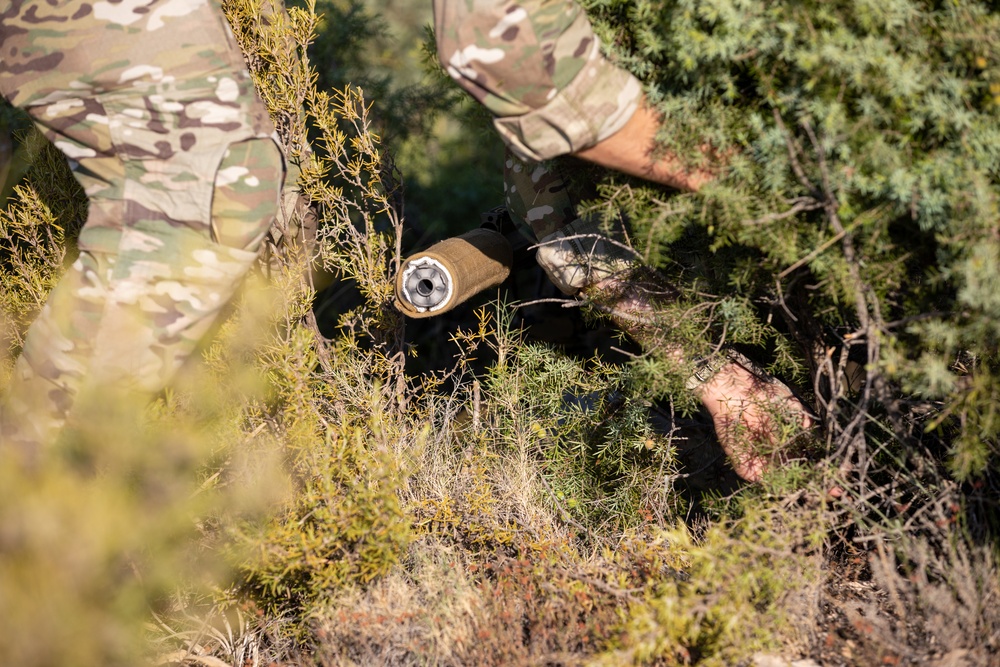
[{"x": 852, "y": 234}]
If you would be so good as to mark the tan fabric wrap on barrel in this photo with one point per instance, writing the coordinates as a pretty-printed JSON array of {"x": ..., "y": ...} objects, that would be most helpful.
[{"x": 435, "y": 280}]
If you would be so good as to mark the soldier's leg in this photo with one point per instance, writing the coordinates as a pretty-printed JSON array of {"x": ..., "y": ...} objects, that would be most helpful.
[
  {"x": 581, "y": 256},
  {"x": 152, "y": 104}
]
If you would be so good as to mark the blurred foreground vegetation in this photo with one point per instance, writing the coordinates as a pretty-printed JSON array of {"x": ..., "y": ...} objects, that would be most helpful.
[{"x": 328, "y": 488}]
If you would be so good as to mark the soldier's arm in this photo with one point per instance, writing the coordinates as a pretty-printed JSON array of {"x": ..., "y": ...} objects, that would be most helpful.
[
  {"x": 632, "y": 150},
  {"x": 538, "y": 67}
]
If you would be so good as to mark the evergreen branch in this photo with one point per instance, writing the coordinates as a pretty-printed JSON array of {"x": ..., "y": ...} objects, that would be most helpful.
[
  {"x": 799, "y": 172},
  {"x": 801, "y": 204},
  {"x": 864, "y": 218},
  {"x": 563, "y": 512},
  {"x": 853, "y": 434},
  {"x": 565, "y": 303}
]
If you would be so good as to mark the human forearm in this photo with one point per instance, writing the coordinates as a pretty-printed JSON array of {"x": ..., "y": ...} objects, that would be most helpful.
[{"x": 632, "y": 150}]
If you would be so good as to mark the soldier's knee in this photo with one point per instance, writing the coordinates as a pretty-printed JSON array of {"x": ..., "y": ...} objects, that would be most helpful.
[{"x": 247, "y": 188}]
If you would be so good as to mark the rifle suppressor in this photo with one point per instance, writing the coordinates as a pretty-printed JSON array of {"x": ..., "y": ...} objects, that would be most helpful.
[{"x": 452, "y": 271}]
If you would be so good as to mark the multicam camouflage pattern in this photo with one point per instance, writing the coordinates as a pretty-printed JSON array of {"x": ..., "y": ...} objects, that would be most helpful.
[
  {"x": 151, "y": 102},
  {"x": 538, "y": 67},
  {"x": 537, "y": 196},
  {"x": 575, "y": 252}
]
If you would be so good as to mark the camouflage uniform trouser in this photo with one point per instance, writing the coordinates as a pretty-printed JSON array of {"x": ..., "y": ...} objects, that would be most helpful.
[
  {"x": 575, "y": 252},
  {"x": 151, "y": 102}
]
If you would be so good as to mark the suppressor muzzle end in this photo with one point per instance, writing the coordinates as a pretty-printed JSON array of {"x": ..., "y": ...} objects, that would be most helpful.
[{"x": 426, "y": 284}]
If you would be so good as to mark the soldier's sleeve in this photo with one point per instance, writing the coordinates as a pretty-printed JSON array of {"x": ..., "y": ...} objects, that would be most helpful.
[{"x": 538, "y": 67}]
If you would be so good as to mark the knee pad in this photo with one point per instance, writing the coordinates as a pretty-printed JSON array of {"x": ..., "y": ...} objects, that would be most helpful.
[{"x": 582, "y": 254}]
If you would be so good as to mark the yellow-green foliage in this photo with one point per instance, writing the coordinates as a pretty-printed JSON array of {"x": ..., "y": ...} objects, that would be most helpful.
[
  {"x": 526, "y": 550},
  {"x": 106, "y": 523},
  {"x": 335, "y": 404},
  {"x": 474, "y": 518},
  {"x": 34, "y": 228},
  {"x": 738, "y": 593}
]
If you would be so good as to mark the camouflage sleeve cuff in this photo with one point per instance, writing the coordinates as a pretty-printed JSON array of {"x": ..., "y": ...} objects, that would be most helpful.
[{"x": 598, "y": 102}]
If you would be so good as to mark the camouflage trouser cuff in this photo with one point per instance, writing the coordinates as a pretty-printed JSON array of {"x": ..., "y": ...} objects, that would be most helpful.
[
  {"x": 598, "y": 102},
  {"x": 581, "y": 254}
]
